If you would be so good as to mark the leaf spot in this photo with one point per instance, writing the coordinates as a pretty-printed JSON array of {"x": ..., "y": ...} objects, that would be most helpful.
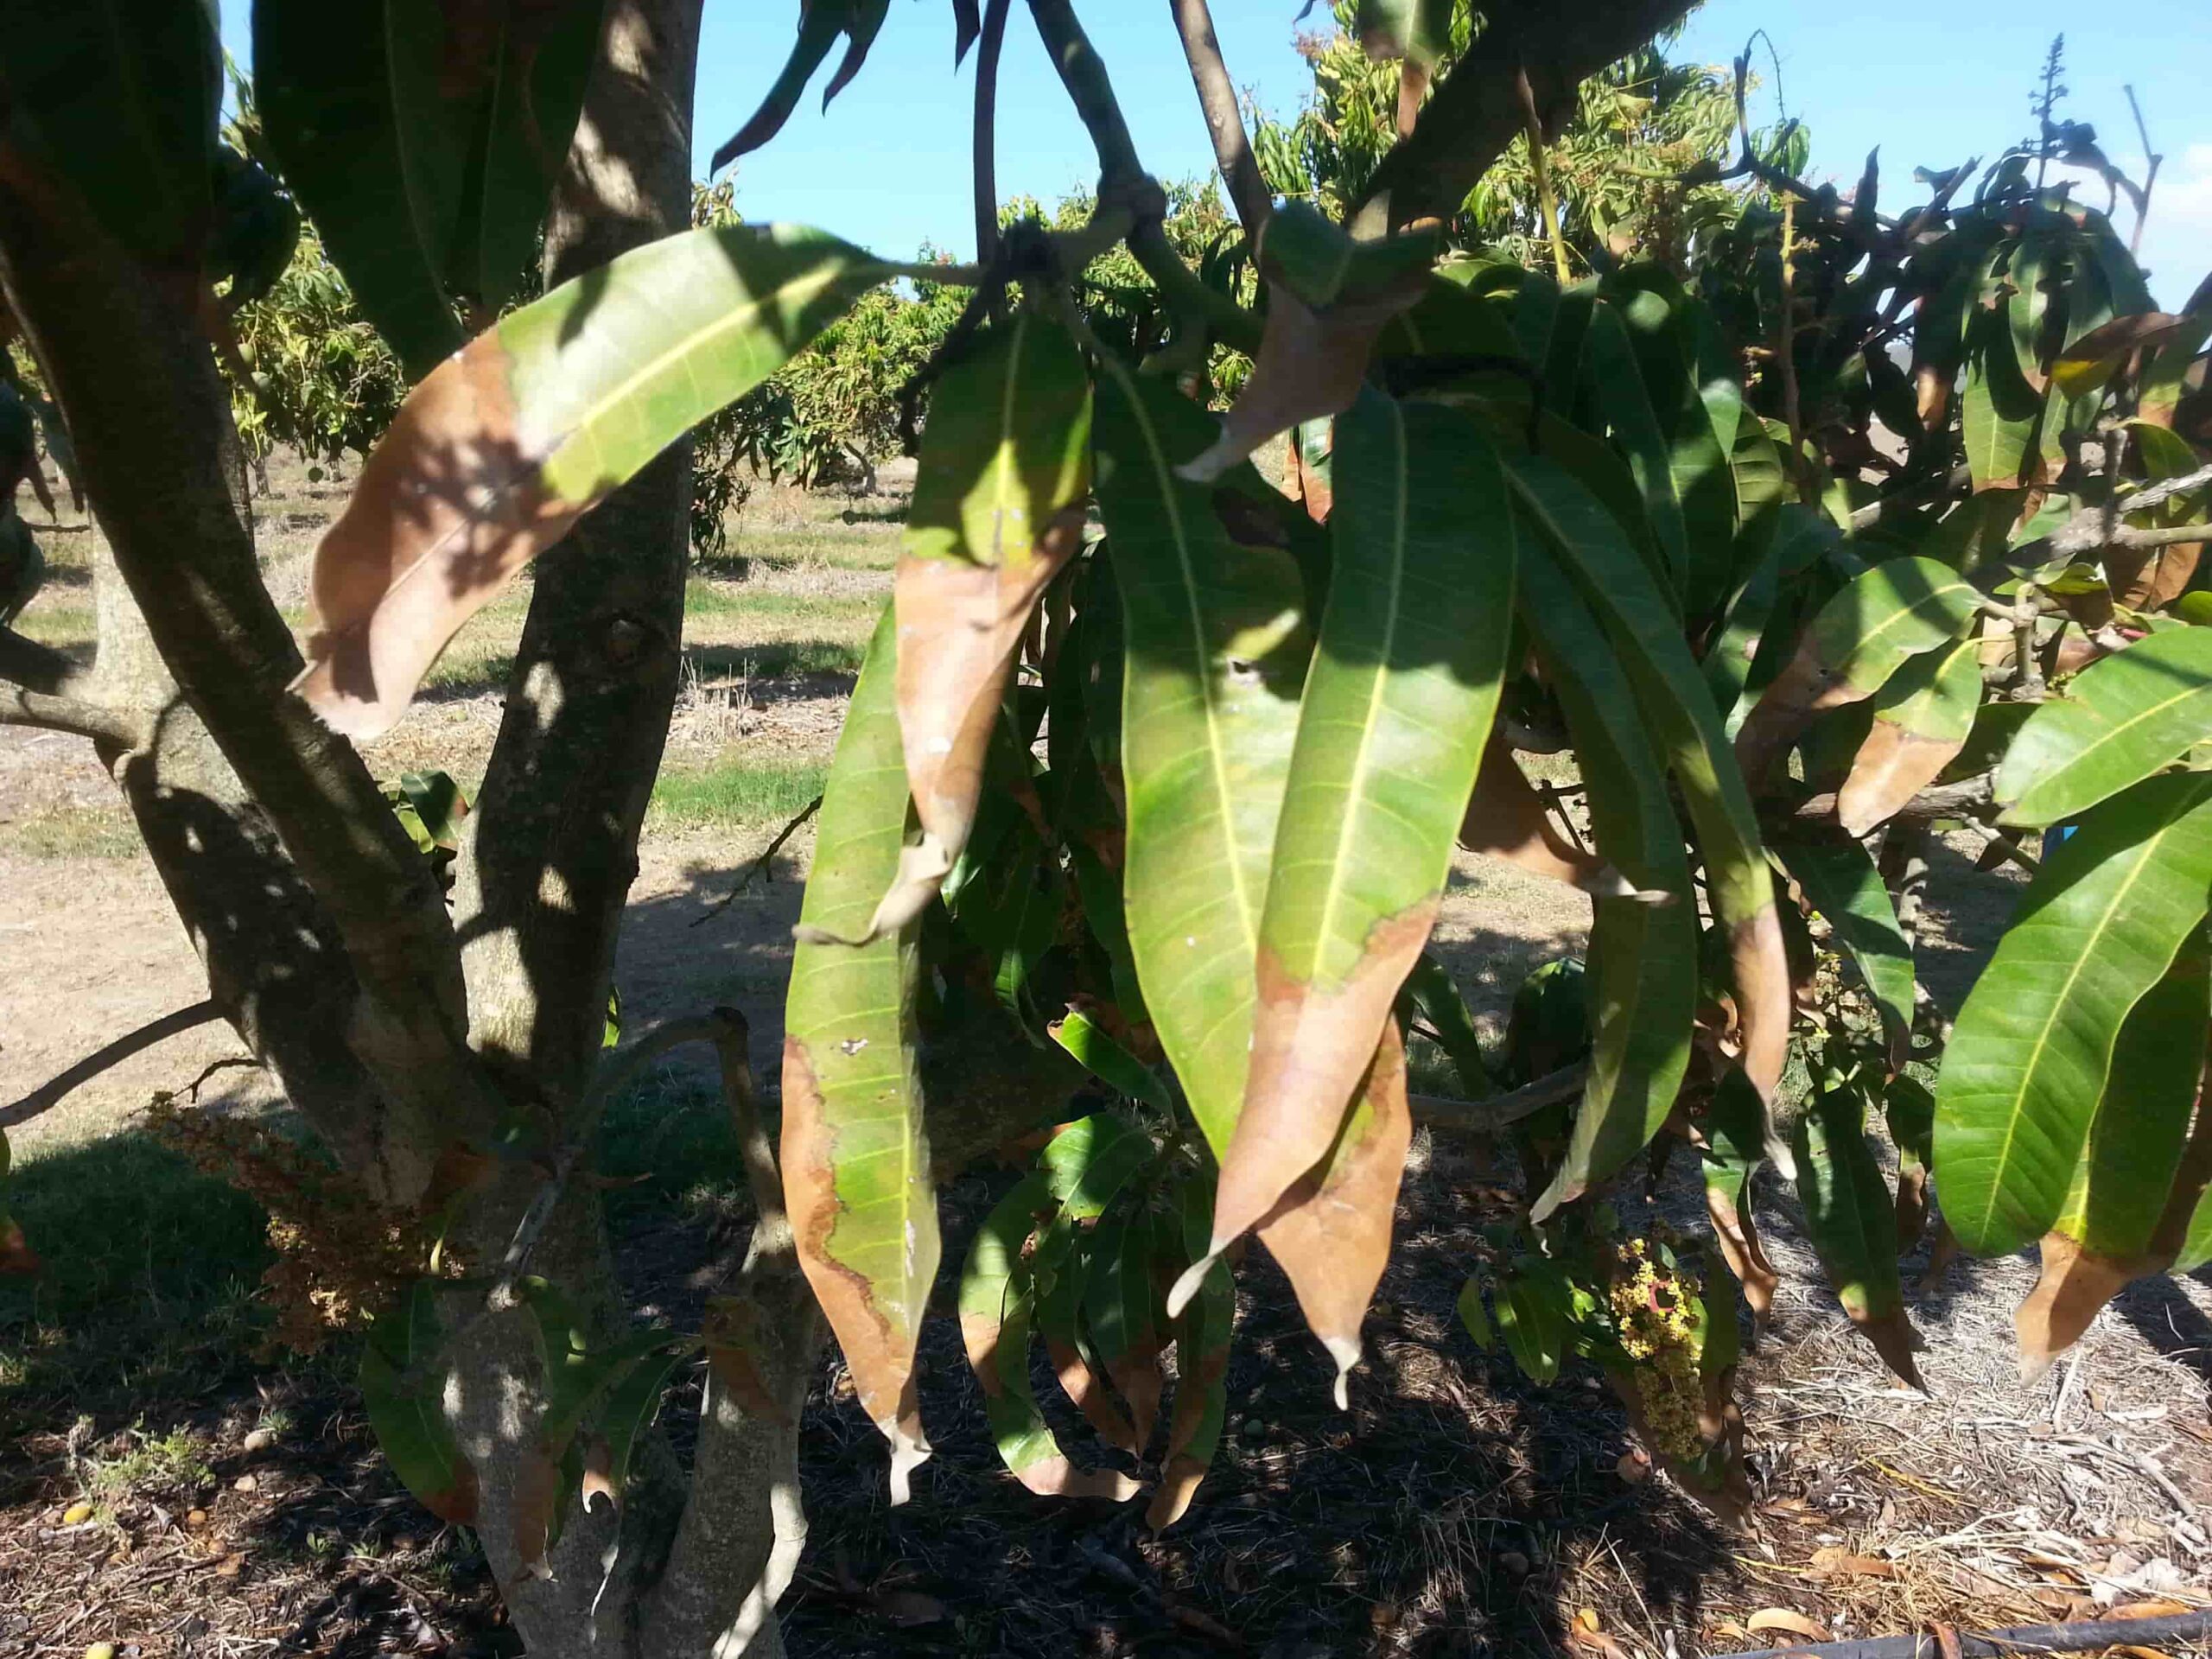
[{"x": 852, "y": 1046}]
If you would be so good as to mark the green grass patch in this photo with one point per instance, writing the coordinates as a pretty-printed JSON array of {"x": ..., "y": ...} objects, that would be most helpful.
[
  {"x": 73, "y": 832},
  {"x": 780, "y": 659},
  {"x": 746, "y": 792},
  {"x": 59, "y": 625},
  {"x": 145, "y": 1300}
]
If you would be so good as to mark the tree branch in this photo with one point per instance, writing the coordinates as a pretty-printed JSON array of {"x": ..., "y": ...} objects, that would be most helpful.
[
  {"x": 1501, "y": 1111},
  {"x": 126, "y": 728},
  {"x": 1476, "y": 109},
  {"x": 1232, "y": 149},
  {"x": 54, "y": 1089},
  {"x": 1964, "y": 799}
]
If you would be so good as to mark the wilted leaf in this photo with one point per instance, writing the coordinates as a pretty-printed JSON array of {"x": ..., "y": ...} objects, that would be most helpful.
[
  {"x": 2031, "y": 1052},
  {"x": 1216, "y": 651},
  {"x": 1644, "y": 955},
  {"x": 506, "y": 444},
  {"x": 409, "y": 1417},
  {"x": 1880, "y": 620},
  {"x": 820, "y": 24},
  {"x": 1851, "y": 1220},
  {"x": 1202, "y": 1337},
  {"x": 1684, "y": 726},
  {"x": 1121, "y": 1309},
  {"x": 855, "y": 1159},
  {"x": 1782, "y": 1618},
  {"x": 2119, "y": 721},
  {"x": 996, "y": 515},
  {"x": 1839, "y": 878},
  {"x": 2089, "y": 362},
  {"x": 997, "y": 1293},
  {"x": 1397, "y": 705},
  {"x": 2109, "y": 1231},
  {"x": 1922, "y": 716},
  {"x": 1329, "y": 1231}
]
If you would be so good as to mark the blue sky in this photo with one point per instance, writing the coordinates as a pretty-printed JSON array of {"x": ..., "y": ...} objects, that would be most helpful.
[{"x": 1930, "y": 81}]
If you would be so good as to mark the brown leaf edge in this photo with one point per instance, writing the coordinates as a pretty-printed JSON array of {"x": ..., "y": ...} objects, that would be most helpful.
[
  {"x": 1051, "y": 1477},
  {"x": 1088, "y": 1395},
  {"x": 1891, "y": 766},
  {"x": 1331, "y": 1232},
  {"x": 959, "y": 624},
  {"x": 880, "y": 1360},
  {"x": 410, "y": 559},
  {"x": 1311, "y": 364},
  {"x": 1311, "y": 1049}
]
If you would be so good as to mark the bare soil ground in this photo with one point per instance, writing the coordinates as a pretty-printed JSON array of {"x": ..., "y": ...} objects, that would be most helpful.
[{"x": 232, "y": 1505}]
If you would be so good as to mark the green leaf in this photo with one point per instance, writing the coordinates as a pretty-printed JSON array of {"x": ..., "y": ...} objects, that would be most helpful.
[
  {"x": 1734, "y": 1129},
  {"x": 1106, "y": 1060},
  {"x": 1615, "y": 386},
  {"x": 2120, "y": 721},
  {"x": 1644, "y": 956},
  {"x": 1090, "y": 1160},
  {"x": 505, "y": 446},
  {"x": 1796, "y": 538},
  {"x": 1216, "y": 650},
  {"x": 628, "y": 1414},
  {"x": 1840, "y": 878},
  {"x": 1533, "y": 1315},
  {"x": 1998, "y": 409},
  {"x": 1417, "y": 30},
  {"x": 1202, "y": 1337},
  {"x": 1122, "y": 1311},
  {"x": 1870, "y": 629},
  {"x": 1396, "y": 710},
  {"x": 820, "y": 24},
  {"x": 2032, "y": 1051},
  {"x": 1475, "y": 1315},
  {"x": 119, "y": 98},
  {"x": 1679, "y": 712},
  {"x": 423, "y": 139},
  {"x": 1850, "y": 1218},
  {"x": 855, "y": 1157},
  {"x": 1430, "y": 993},
  {"x": 409, "y": 1419}
]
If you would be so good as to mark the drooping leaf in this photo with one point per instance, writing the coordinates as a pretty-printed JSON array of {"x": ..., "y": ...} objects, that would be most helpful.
[
  {"x": 406, "y": 1413},
  {"x": 1121, "y": 1310},
  {"x": 996, "y": 516},
  {"x": 1850, "y": 1218},
  {"x": 1216, "y": 651},
  {"x": 1068, "y": 1260},
  {"x": 997, "y": 1296},
  {"x": 119, "y": 98},
  {"x": 1644, "y": 955},
  {"x": 1615, "y": 386},
  {"x": 1839, "y": 880},
  {"x": 423, "y": 139},
  {"x": 1686, "y": 728},
  {"x": 855, "y": 1157},
  {"x": 625, "y": 1420},
  {"x": 505, "y": 446},
  {"x": 820, "y": 24},
  {"x": 1733, "y": 1130},
  {"x": 2119, "y": 720},
  {"x": 1877, "y": 622},
  {"x": 1911, "y": 1110},
  {"x": 1922, "y": 716},
  {"x": 2087, "y": 364},
  {"x": 1397, "y": 707},
  {"x": 1202, "y": 1337},
  {"x": 1999, "y": 409},
  {"x": 1329, "y": 1231},
  {"x": 2124, "y": 1193},
  {"x": 1474, "y": 1314},
  {"x": 2032, "y": 1052},
  {"x": 1795, "y": 537}
]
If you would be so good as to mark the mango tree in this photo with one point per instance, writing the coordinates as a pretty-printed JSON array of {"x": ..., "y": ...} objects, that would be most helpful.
[{"x": 1143, "y": 809}]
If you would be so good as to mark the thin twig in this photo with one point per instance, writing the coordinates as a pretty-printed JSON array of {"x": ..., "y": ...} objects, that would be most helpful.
[
  {"x": 1546, "y": 202},
  {"x": 759, "y": 865},
  {"x": 1785, "y": 353},
  {"x": 51, "y": 1092},
  {"x": 986, "y": 148},
  {"x": 1232, "y": 149},
  {"x": 2149, "y": 176}
]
